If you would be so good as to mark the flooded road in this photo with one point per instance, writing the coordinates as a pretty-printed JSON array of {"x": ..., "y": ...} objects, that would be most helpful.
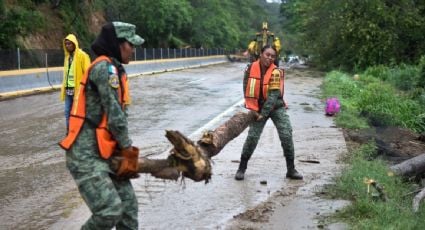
[{"x": 37, "y": 192}]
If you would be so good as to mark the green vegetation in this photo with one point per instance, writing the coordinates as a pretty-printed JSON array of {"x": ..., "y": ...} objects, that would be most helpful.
[
  {"x": 19, "y": 20},
  {"x": 195, "y": 23},
  {"x": 74, "y": 15},
  {"x": 370, "y": 99},
  {"x": 162, "y": 23},
  {"x": 367, "y": 211},
  {"x": 377, "y": 96},
  {"x": 380, "y": 41},
  {"x": 354, "y": 34}
]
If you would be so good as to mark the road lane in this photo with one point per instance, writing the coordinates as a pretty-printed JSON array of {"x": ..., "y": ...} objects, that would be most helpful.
[
  {"x": 35, "y": 188},
  {"x": 37, "y": 192}
]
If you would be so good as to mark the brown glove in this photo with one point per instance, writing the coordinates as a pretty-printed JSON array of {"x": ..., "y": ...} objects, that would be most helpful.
[
  {"x": 259, "y": 117},
  {"x": 129, "y": 165}
]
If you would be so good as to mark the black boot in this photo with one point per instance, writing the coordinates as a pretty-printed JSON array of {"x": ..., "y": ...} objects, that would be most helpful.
[
  {"x": 292, "y": 173},
  {"x": 241, "y": 170}
]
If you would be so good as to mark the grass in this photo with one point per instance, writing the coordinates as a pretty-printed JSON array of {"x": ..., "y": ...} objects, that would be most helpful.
[
  {"x": 371, "y": 100},
  {"x": 375, "y": 98},
  {"x": 366, "y": 210}
]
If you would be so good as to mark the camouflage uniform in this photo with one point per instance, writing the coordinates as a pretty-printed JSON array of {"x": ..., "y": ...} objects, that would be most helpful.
[
  {"x": 280, "y": 120},
  {"x": 274, "y": 108},
  {"x": 112, "y": 201}
]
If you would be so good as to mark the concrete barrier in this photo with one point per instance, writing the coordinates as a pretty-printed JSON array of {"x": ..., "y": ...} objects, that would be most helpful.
[{"x": 29, "y": 81}]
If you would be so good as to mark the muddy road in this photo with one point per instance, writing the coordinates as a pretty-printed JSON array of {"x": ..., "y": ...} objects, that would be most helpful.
[{"x": 37, "y": 192}]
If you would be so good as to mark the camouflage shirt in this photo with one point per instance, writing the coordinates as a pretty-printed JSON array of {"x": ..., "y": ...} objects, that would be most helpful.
[
  {"x": 274, "y": 101},
  {"x": 101, "y": 96}
]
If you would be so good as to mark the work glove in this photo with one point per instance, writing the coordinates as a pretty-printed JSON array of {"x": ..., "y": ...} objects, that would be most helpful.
[
  {"x": 129, "y": 164},
  {"x": 259, "y": 117}
]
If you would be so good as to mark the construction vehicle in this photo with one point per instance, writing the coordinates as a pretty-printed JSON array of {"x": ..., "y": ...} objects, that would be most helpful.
[{"x": 265, "y": 37}]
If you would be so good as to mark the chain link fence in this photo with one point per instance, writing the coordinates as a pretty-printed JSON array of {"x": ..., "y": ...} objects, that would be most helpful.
[{"x": 42, "y": 58}]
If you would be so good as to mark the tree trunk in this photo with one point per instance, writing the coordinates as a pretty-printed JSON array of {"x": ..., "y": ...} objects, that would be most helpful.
[
  {"x": 192, "y": 159},
  {"x": 212, "y": 142},
  {"x": 412, "y": 167}
]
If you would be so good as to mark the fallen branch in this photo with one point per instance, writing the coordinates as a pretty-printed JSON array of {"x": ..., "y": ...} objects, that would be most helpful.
[
  {"x": 408, "y": 168},
  {"x": 410, "y": 193},
  {"x": 193, "y": 159},
  {"x": 417, "y": 199},
  {"x": 310, "y": 161}
]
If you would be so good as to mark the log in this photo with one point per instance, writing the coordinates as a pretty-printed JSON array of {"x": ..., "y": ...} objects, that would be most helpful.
[
  {"x": 212, "y": 142},
  {"x": 193, "y": 159},
  {"x": 409, "y": 168},
  {"x": 416, "y": 201}
]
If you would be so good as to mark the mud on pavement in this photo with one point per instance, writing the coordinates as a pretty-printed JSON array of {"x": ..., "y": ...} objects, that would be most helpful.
[
  {"x": 264, "y": 200},
  {"x": 319, "y": 144}
]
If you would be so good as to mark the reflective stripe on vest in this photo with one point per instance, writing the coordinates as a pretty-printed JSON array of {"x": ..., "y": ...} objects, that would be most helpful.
[
  {"x": 252, "y": 90},
  {"x": 106, "y": 143}
]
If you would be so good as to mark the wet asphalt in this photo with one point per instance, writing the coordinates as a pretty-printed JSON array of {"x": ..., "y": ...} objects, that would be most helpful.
[{"x": 37, "y": 191}]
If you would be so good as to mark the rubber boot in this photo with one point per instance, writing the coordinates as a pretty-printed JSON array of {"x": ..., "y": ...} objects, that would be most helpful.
[
  {"x": 292, "y": 173},
  {"x": 240, "y": 174}
]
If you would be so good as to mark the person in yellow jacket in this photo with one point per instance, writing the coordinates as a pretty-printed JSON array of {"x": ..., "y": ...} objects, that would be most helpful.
[{"x": 75, "y": 64}]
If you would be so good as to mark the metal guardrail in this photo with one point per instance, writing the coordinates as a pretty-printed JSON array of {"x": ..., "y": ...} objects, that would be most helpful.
[
  {"x": 29, "y": 81},
  {"x": 47, "y": 58}
]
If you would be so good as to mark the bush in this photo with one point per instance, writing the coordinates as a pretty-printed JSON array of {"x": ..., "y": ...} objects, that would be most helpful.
[
  {"x": 403, "y": 77},
  {"x": 421, "y": 77},
  {"x": 382, "y": 103},
  {"x": 379, "y": 71},
  {"x": 17, "y": 21},
  {"x": 373, "y": 99},
  {"x": 338, "y": 84}
]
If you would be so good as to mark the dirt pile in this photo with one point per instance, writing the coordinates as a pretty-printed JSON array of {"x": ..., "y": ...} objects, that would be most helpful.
[{"x": 393, "y": 143}]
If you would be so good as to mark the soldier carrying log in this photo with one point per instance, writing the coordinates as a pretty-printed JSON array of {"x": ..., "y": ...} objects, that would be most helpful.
[
  {"x": 263, "y": 91},
  {"x": 98, "y": 130}
]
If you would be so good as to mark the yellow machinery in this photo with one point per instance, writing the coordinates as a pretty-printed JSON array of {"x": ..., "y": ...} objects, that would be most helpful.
[{"x": 265, "y": 37}]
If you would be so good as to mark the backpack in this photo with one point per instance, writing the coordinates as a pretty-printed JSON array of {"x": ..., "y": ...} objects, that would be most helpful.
[{"x": 332, "y": 106}]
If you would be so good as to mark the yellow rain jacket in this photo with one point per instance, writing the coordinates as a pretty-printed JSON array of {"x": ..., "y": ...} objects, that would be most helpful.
[{"x": 81, "y": 63}]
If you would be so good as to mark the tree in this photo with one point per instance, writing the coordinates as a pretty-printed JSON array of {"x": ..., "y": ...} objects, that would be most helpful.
[
  {"x": 16, "y": 21},
  {"x": 355, "y": 34},
  {"x": 158, "y": 21}
]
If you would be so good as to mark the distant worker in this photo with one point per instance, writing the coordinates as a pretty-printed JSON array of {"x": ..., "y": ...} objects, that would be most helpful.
[
  {"x": 264, "y": 90},
  {"x": 263, "y": 38},
  {"x": 75, "y": 64},
  {"x": 98, "y": 129}
]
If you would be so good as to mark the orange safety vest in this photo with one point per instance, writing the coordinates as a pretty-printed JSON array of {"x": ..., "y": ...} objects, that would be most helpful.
[
  {"x": 252, "y": 90},
  {"x": 105, "y": 140}
]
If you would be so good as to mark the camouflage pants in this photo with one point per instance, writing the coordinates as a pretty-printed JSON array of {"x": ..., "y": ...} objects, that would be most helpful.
[
  {"x": 112, "y": 202},
  {"x": 284, "y": 129}
]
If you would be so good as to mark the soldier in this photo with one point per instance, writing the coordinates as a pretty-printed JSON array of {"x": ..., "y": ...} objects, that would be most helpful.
[
  {"x": 264, "y": 88},
  {"x": 265, "y": 37},
  {"x": 98, "y": 128}
]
